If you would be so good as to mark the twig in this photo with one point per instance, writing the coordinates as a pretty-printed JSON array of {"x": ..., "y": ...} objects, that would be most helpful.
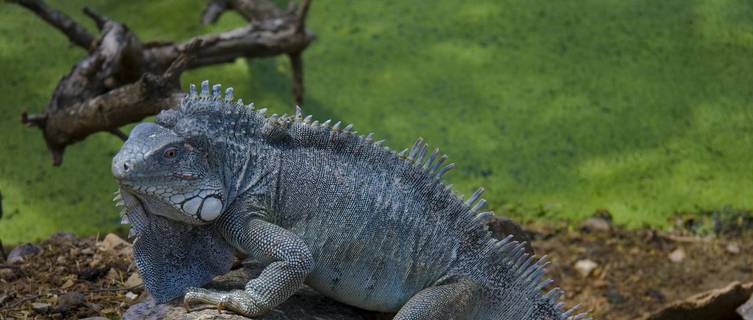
[
  {"x": 99, "y": 19},
  {"x": 297, "y": 65},
  {"x": 686, "y": 239},
  {"x": 75, "y": 32},
  {"x": 213, "y": 10},
  {"x": 33, "y": 120},
  {"x": 120, "y": 134},
  {"x": 113, "y": 289},
  {"x": 29, "y": 298},
  {"x": 301, "y": 23}
]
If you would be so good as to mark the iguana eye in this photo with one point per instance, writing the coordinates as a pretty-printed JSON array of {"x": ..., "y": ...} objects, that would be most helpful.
[{"x": 170, "y": 153}]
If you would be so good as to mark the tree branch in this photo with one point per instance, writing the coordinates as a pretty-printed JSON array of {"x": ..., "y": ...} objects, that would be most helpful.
[
  {"x": 213, "y": 10},
  {"x": 122, "y": 81},
  {"x": 297, "y": 63},
  {"x": 75, "y": 32}
]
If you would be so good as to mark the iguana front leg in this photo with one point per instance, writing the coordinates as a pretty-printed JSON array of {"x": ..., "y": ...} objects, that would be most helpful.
[{"x": 290, "y": 259}]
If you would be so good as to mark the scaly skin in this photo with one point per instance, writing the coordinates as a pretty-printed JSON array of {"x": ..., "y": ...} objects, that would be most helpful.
[{"x": 321, "y": 206}]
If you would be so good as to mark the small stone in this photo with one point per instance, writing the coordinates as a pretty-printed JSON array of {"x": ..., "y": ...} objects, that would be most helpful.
[
  {"x": 115, "y": 244},
  {"x": 71, "y": 300},
  {"x": 69, "y": 283},
  {"x": 585, "y": 267},
  {"x": 614, "y": 297},
  {"x": 112, "y": 274},
  {"x": 40, "y": 307},
  {"x": 134, "y": 280},
  {"x": 677, "y": 255},
  {"x": 130, "y": 296},
  {"x": 733, "y": 248},
  {"x": 87, "y": 251},
  {"x": 60, "y": 260},
  {"x": 74, "y": 252},
  {"x": 18, "y": 253},
  {"x": 746, "y": 310},
  {"x": 595, "y": 224}
]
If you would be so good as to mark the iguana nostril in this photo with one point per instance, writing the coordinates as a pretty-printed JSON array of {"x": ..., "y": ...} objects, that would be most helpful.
[{"x": 125, "y": 166}]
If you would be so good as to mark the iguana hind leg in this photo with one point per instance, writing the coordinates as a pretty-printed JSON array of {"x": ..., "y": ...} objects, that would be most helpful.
[
  {"x": 290, "y": 263},
  {"x": 446, "y": 301}
]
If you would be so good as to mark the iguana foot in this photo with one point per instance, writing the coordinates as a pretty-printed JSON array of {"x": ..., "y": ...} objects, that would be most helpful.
[{"x": 238, "y": 301}]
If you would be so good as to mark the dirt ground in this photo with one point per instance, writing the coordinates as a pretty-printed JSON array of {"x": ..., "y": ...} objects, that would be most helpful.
[
  {"x": 632, "y": 273},
  {"x": 635, "y": 274}
]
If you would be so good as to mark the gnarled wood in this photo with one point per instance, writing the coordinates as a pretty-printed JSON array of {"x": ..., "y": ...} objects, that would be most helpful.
[{"x": 122, "y": 80}]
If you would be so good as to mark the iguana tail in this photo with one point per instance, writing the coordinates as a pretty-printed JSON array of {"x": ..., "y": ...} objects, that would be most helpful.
[{"x": 511, "y": 284}]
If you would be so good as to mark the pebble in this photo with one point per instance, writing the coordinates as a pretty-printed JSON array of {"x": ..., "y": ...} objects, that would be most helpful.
[
  {"x": 595, "y": 224},
  {"x": 585, "y": 267},
  {"x": 677, "y": 255},
  {"x": 40, "y": 307},
  {"x": 746, "y": 310},
  {"x": 134, "y": 280},
  {"x": 115, "y": 244},
  {"x": 71, "y": 299},
  {"x": 130, "y": 296},
  {"x": 112, "y": 274},
  {"x": 18, "y": 253},
  {"x": 69, "y": 283},
  {"x": 733, "y": 248}
]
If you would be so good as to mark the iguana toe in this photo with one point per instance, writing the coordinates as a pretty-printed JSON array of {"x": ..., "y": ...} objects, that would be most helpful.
[{"x": 238, "y": 301}]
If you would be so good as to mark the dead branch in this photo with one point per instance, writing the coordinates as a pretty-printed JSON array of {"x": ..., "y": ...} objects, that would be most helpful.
[
  {"x": 121, "y": 80},
  {"x": 75, "y": 32}
]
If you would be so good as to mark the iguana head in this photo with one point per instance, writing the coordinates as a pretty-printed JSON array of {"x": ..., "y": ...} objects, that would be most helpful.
[{"x": 170, "y": 175}]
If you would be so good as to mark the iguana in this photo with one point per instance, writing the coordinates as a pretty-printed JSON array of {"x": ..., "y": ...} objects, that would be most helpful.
[{"x": 320, "y": 205}]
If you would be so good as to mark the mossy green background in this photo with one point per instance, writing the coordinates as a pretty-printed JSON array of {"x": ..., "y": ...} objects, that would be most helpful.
[{"x": 559, "y": 108}]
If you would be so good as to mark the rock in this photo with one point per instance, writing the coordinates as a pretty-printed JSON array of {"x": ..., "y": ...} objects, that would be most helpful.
[
  {"x": 40, "y": 307},
  {"x": 113, "y": 274},
  {"x": 134, "y": 280},
  {"x": 677, "y": 255},
  {"x": 717, "y": 304},
  {"x": 71, "y": 300},
  {"x": 595, "y": 224},
  {"x": 614, "y": 297},
  {"x": 130, "y": 296},
  {"x": 116, "y": 244},
  {"x": 18, "y": 253},
  {"x": 733, "y": 248},
  {"x": 746, "y": 310},
  {"x": 67, "y": 284},
  {"x": 585, "y": 267},
  {"x": 305, "y": 304},
  {"x": 501, "y": 227}
]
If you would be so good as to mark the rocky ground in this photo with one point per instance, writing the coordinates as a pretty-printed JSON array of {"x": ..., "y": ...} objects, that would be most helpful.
[{"x": 614, "y": 272}]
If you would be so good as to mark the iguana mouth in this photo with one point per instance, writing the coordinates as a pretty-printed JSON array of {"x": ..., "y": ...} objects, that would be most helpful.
[{"x": 198, "y": 208}]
